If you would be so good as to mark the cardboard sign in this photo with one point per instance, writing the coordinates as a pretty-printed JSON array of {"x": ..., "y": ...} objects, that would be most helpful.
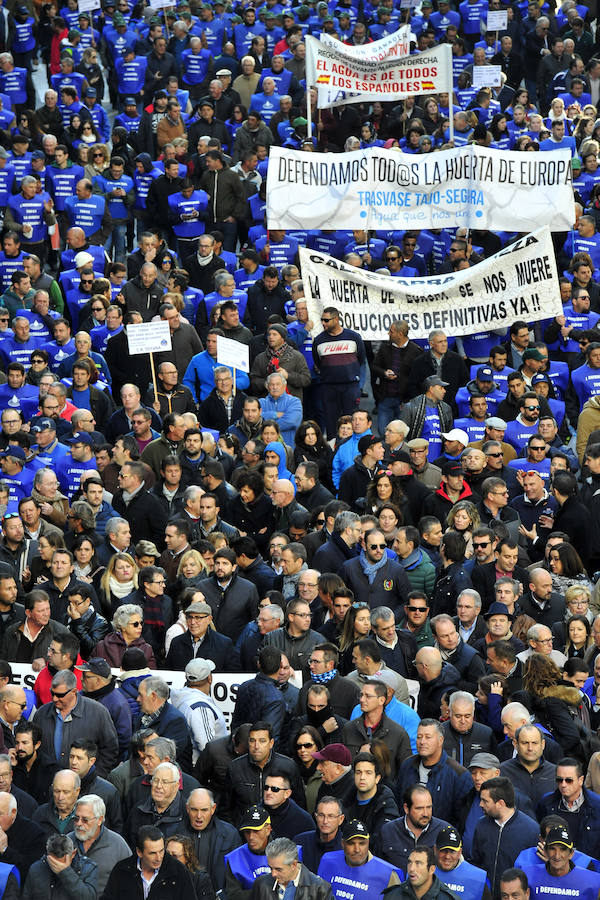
[
  {"x": 148, "y": 337},
  {"x": 486, "y": 76},
  {"x": 232, "y": 353},
  {"x": 497, "y": 20},
  {"x": 88, "y": 5}
]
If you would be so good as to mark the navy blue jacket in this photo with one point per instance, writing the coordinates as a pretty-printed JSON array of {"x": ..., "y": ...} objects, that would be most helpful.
[
  {"x": 391, "y": 586},
  {"x": 215, "y": 646},
  {"x": 333, "y": 554},
  {"x": 448, "y": 784},
  {"x": 313, "y": 847},
  {"x": 396, "y": 842},
  {"x": 496, "y": 849},
  {"x": 289, "y": 819},
  {"x": 260, "y": 699},
  {"x": 584, "y": 825}
]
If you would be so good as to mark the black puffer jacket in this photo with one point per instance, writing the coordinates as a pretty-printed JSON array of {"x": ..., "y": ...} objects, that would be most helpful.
[{"x": 141, "y": 299}]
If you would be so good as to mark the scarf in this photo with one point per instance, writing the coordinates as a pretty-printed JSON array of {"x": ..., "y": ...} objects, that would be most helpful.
[
  {"x": 371, "y": 569},
  {"x": 276, "y": 359},
  {"x": 150, "y": 718},
  {"x": 120, "y": 589},
  {"x": 129, "y": 495},
  {"x": 153, "y": 615},
  {"x": 289, "y": 588},
  {"x": 82, "y": 571},
  {"x": 204, "y": 260},
  {"x": 323, "y": 677}
]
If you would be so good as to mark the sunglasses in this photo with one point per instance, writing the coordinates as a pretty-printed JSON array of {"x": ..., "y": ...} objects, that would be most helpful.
[
  {"x": 376, "y": 546},
  {"x": 532, "y": 407},
  {"x": 421, "y": 609},
  {"x": 559, "y": 780},
  {"x": 59, "y": 696},
  {"x": 135, "y": 624},
  {"x": 483, "y": 544},
  {"x": 326, "y": 320},
  {"x": 273, "y": 789},
  {"x": 304, "y": 747},
  {"x": 495, "y": 455}
]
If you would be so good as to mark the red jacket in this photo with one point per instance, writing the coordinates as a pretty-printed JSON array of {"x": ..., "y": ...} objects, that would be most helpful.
[{"x": 44, "y": 680}]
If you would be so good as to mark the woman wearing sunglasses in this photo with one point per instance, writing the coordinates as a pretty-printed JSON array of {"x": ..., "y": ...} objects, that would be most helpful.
[{"x": 127, "y": 622}]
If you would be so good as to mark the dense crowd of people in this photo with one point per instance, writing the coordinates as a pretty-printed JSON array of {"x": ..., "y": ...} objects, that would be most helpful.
[{"x": 387, "y": 551}]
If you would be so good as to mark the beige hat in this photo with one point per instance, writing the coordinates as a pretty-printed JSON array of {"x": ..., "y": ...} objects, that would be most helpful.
[{"x": 418, "y": 444}]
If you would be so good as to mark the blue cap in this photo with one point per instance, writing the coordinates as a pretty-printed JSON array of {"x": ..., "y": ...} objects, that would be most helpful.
[
  {"x": 15, "y": 451},
  {"x": 44, "y": 425},
  {"x": 484, "y": 373},
  {"x": 81, "y": 437}
]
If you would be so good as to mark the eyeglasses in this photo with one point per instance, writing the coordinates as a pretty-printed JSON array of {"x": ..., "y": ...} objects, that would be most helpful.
[
  {"x": 495, "y": 455},
  {"x": 420, "y": 609},
  {"x": 273, "y": 789},
  {"x": 159, "y": 782},
  {"x": 85, "y": 819},
  {"x": 305, "y": 746},
  {"x": 98, "y": 155},
  {"x": 376, "y": 546},
  {"x": 543, "y": 641},
  {"x": 135, "y": 624},
  {"x": 158, "y": 581},
  {"x": 531, "y": 447},
  {"x": 559, "y": 780},
  {"x": 301, "y": 615},
  {"x": 392, "y": 258},
  {"x": 20, "y": 705},
  {"x": 56, "y": 694},
  {"x": 87, "y": 281}
]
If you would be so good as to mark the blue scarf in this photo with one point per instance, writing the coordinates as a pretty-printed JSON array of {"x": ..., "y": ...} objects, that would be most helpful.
[
  {"x": 323, "y": 677},
  {"x": 371, "y": 569}
]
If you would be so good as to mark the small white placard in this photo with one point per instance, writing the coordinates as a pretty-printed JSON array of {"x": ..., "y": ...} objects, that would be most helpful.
[
  {"x": 486, "y": 76},
  {"x": 148, "y": 337},
  {"x": 232, "y": 353},
  {"x": 497, "y": 20},
  {"x": 88, "y": 5},
  {"x": 161, "y": 4}
]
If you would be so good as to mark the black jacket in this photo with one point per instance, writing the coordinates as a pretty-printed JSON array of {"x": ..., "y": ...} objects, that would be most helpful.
[
  {"x": 145, "y": 515},
  {"x": 454, "y": 371},
  {"x": 202, "y": 277},
  {"x": 469, "y": 664},
  {"x": 263, "y": 303},
  {"x": 484, "y": 579},
  {"x": 289, "y": 819},
  {"x": 213, "y": 414},
  {"x": 226, "y": 195},
  {"x": 102, "y": 406},
  {"x": 380, "y": 809},
  {"x": 211, "y": 845},
  {"x": 138, "y": 298},
  {"x": 310, "y": 887},
  {"x": 384, "y": 358},
  {"x": 343, "y": 696},
  {"x": 260, "y": 698},
  {"x": 124, "y": 368},
  {"x": 173, "y": 880},
  {"x": 215, "y": 646},
  {"x": 233, "y": 607},
  {"x": 244, "y": 783},
  {"x": 394, "y": 736},
  {"x": 462, "y": 747},
  {"x": 26, "y": 844},
  {"x": 89, "y": 630},
  {"x": 554, "y": 609},
  {"x": 430, "y": 693}
]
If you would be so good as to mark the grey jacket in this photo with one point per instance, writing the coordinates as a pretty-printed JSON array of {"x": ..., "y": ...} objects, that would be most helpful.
[
  {"x": 88, "y": 719},
  {"x": 106, "y": 851},
  {"x": 413, "y": 413},
  {"x": 310, "y": 887}
]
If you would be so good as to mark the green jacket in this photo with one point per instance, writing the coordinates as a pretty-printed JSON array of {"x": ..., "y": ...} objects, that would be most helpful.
[{"x": 13, "y": 303}]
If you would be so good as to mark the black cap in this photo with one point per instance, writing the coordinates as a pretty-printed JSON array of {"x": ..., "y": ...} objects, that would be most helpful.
[
  {"x": 448, "y": 839},
  {"x": 254, "y": 819},
  {"x": 558, "y": 834},
  {"x": 354, "y": 828},
  {"x": 451, "y": 467}
]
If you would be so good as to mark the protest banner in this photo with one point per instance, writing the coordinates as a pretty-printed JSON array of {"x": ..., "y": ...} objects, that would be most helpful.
[
  {"x": 351, "y": 80},
  {"x": 486, "y": 76},
  {"x": 223, "y": 690},
  {"x": 224, "y": 686},
  {"x": 394, "y": 45},
  {"x": 382, "y": 189},
  {"x": 519, "y": 282}
]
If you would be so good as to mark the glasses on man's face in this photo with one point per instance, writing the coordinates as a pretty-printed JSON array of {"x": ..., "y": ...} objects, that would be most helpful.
[
  {"x": 85, "y": 819},
  {"x": 58, "y": 695},
  {"x": 391, "y": 258},
  {"x": 97, "y": 308},
  {"x": 87, "y": 280},
  {"x": 532, "y": 408},
  {"x": 494, "y": 455},
  {"x": 323, "y": 319},
  {"x": 417, "y": 609},
  {"x": 273, "y": 789},
  {"x": 376, "y": 546},
  {"x": 560, "y": 780},
  {"x": 20, "y": 705}
]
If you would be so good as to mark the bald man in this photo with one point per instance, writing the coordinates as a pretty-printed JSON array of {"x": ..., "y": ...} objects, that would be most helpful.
[{"x": 436, "y": 677}]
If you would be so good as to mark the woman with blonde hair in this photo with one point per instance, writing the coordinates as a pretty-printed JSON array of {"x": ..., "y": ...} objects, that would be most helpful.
[
  {"x": 119, "y": 580},
  {"x": 98, "y": 159}
]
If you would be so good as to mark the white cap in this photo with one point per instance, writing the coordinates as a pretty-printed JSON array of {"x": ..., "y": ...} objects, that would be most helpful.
[
  {"x": 456, "y": 434},
  {"x": 199, "y": 669}
]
